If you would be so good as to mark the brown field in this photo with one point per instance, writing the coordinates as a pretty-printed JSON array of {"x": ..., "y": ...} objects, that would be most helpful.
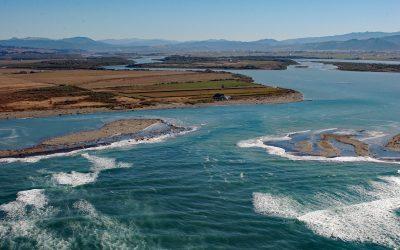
[{"x": 49, "y": 90}]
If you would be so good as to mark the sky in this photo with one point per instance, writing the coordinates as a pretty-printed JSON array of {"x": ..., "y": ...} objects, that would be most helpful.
[{"x": 183, "y": 20}]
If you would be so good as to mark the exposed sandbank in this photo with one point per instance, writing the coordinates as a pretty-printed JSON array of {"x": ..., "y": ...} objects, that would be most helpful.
[{"x": 109, "y": 133}]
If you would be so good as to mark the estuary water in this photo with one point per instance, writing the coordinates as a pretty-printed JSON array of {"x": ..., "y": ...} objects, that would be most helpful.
[{"x": 217, "y": 187}]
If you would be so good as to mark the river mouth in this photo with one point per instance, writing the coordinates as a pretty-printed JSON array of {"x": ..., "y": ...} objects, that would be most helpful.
[{"x": 201, "y": 190}]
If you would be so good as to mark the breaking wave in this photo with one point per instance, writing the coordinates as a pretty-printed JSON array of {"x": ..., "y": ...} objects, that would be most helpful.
[
  {"x": 372, "y": 220},
  {"x": 21, "y": 220},
  {"x": 98, "y": 164},
  {"x": 23, "y": 217},
  {"x": 74, "y": 178}
]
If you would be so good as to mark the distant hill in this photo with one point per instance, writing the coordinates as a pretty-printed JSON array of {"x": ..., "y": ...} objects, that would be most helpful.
[
  {"x": 386, "y": 43},
  {"x": 373, "y": 44},
  {"x": 365, "y": 41},
  {"x": 74, "y": 43},
  {"x": 362, "y": 41},
  {"x": 138, "y": 42},
  {"x": 338, "y": 38},
  {"x": 223, "y": 45},
  {"x": 394, "y": 39}
]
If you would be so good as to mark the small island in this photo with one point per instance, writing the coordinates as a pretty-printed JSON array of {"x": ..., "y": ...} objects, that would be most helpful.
[
  {"x": 129, "y": 129},
  {"x": 365, "y": 67},
  {"x": 222, "y": 62}
]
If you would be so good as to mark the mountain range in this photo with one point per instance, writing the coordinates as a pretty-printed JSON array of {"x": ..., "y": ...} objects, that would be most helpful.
[{"x": 361, "y": 41}]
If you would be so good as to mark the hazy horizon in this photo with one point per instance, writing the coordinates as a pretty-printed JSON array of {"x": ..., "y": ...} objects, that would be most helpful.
[
  {"x": 193, "y": 20},
  {"x": 160, "y": 38}
]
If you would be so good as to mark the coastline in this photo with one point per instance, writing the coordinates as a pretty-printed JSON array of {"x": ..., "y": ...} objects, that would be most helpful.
[{"x": 295, "y": 96}]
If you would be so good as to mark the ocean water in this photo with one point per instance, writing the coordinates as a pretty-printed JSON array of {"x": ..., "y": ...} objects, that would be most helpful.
[{"x": 215, "y": 187}]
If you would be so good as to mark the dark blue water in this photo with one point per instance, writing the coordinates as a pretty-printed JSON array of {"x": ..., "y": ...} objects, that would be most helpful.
[{"x": 204, "y": 189}]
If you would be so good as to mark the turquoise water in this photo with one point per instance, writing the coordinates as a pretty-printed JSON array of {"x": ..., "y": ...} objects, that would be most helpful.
[{"x": 205, "y": 189}]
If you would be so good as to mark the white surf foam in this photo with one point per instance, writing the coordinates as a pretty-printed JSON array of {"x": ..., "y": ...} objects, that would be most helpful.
[
  {"x": 74, "y": 178},
  {"x": 373, "y": 220},
  {"x": 98, "y": 164},
  {"x": 33, "y": 197},
  {"x": 22, "y": 216},
  {"x": 279, "y": 206},
  {"x": 103, "y": 163},
  {"x": 120, "y": 144}
]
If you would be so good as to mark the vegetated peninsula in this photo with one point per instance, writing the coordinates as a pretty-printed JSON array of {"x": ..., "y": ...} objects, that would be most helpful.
[
  {"x": 33, "y": 93},
  {"x": 129, "y": 129},
  {"x": 367, "y": 67},
  {"x": 223, "y": 62}
]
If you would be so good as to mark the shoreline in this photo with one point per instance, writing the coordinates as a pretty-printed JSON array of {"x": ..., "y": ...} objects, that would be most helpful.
[
  {"x": 109, "y": 133},
  {"x": 280, "y": 99}
]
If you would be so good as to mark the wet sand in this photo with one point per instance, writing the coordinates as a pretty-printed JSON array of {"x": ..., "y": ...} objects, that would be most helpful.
[
  {"x": 328, "y": 150},
  {"x": 360, "y": 148},
  {"x": 394, "y": 143},
  {"x": 305, "y": 147}
]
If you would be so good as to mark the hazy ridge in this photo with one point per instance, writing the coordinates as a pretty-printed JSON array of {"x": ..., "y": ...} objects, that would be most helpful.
[{"x": 361, "y": 41}]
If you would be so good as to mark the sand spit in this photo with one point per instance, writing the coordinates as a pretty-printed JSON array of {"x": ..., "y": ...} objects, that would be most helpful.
[{"x": 137, "y": 129}]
